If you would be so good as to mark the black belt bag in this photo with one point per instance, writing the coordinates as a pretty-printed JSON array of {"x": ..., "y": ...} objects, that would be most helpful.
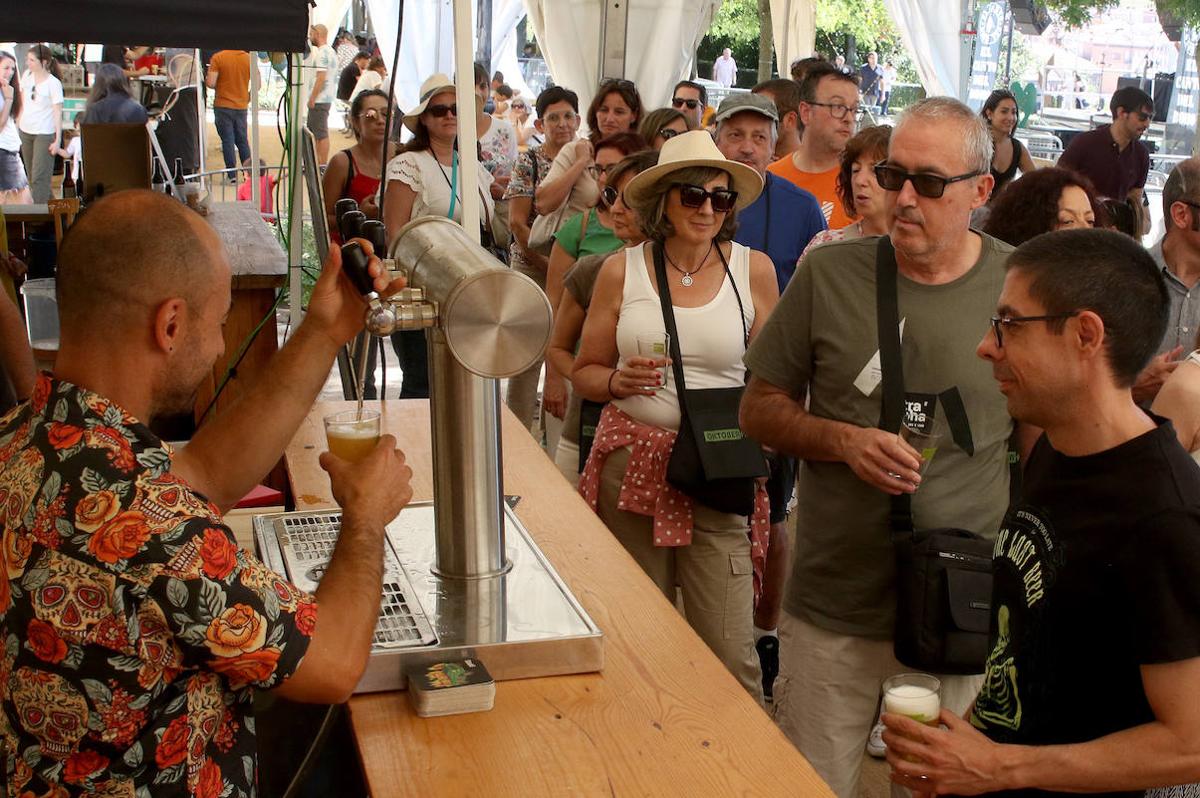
[
  {"x": 712, "y": 460},
  {"x": 943, "y": 576}
]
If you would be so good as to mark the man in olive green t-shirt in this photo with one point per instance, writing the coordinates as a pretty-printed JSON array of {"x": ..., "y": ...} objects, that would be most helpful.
[{"x": 821, "y": 343}]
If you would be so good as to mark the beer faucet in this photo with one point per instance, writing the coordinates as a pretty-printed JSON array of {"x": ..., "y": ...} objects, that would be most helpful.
[{"x": 405, "y": 310}]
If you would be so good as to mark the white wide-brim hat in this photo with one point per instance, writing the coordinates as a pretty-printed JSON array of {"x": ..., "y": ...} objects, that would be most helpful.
[
  {"x": 695, "y": 148},
  {"x": 433, "y": 85}
]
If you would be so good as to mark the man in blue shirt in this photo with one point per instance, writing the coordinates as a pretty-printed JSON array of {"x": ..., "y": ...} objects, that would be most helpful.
[
  {"x": 784, "y": 218},
  {"x": 780, "y": 223}
]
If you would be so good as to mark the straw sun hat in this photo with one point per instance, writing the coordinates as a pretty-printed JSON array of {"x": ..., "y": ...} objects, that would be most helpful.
[
  {"x": 432, "y": 85},
  {"x": 694, "y": 149}
]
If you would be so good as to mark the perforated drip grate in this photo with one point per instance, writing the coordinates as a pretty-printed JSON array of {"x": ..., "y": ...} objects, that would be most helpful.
[{"x": 307, "y": 542}]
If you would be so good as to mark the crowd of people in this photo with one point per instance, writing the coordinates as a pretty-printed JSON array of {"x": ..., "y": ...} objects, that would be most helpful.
[{"x": 718, "y": 276}]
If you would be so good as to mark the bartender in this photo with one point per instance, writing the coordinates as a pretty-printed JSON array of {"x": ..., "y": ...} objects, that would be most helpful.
[{"x": 140, "y": 630}]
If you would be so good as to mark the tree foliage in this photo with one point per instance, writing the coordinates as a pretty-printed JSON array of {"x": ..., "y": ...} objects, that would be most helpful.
[{"x": 1076, "y": 13}]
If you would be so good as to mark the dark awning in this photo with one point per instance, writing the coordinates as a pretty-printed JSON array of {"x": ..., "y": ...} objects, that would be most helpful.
[{"x": 206, "y": 24}]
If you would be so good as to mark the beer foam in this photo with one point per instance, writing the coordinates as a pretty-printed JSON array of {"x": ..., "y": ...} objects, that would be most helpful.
[
  {"x": 912, "y": 700},
  {"x": 352, "y": 432}
]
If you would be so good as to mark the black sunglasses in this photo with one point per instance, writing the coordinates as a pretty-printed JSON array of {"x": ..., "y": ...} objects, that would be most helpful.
[
  {"x": 438, "y": 111},
  {"x": 608, "y": 197},
  {"x": 668, "y": 133},
  {"x": 892, "y": 178},
  {"x": 692, "y": 196},
  {"x": 679, "y": 102},
  {"x": 1000, "y": 322}
]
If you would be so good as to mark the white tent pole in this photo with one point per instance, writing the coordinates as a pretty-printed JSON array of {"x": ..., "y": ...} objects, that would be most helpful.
[
  {"x": 299, "y": 101},
  {"x": 202, "y": 124},
  {"x": 255, "y": 78},
  {"x": 464, "y": 79}
]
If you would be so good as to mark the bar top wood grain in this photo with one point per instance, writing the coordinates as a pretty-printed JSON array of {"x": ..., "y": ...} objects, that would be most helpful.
[
  {"x": 664, "y": 717},
  {"x": 255, "y": 256}
]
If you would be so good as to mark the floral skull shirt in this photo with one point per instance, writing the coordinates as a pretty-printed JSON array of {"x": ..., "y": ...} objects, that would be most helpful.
[{"x": 132, "y": 628}]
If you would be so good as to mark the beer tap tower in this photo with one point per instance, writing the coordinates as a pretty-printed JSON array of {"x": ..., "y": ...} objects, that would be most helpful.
[{"x": 483, "y": 585}]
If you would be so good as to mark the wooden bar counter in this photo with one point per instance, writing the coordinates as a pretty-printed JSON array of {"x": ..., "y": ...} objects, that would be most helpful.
[{"x": 663, "y": 718}]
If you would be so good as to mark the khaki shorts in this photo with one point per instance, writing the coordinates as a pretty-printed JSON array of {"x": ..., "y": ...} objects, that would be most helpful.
[{"x": 318, "y": 121}]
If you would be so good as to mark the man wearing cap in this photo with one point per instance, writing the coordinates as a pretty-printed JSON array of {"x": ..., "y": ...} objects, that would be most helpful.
[
  {"x": 780, "y": 223},
  {"x": 816, "y": 393}
]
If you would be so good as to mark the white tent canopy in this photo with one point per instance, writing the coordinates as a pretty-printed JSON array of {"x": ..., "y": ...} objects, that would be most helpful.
[
  {"x": 662, "y": 36},
  {"x": 428, "y": 45},
  {"x": 930, "y": 30}
]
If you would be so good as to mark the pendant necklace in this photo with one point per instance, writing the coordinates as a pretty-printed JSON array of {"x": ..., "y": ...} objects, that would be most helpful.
[{"x": 687, "y": 280}]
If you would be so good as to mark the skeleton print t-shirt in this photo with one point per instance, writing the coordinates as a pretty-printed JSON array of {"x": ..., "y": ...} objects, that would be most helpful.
[{"x": 132, "y": 627}]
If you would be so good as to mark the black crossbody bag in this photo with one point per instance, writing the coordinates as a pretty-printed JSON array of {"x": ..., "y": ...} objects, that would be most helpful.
[
  {"x": 712, "y": 460},
  {"x": 943, "y": 576}
]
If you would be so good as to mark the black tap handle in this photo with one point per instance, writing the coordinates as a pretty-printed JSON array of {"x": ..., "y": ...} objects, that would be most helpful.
[
  {"x": 375, "y": 231},
  {"x": 342, "y": 207},
  {"x": 354, "y": 264},
  {"x": 350, "y": 224}
]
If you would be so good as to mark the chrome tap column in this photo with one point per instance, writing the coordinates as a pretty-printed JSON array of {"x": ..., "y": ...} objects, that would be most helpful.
[{"x": 492, "y": 322}]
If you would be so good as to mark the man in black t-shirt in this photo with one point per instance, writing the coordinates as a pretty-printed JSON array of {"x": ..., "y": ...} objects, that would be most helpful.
[
  {"x": 1093, "y": 681},
  {"x": 350, "y": 75}
]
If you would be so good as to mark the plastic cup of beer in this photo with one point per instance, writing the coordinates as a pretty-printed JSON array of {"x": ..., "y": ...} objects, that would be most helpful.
[
  {"x": 926, "y": 444},
  {"x": 657, "y": 346},
  {"x": 913, "y": 695},
  {"x": 352, "y": 436}
]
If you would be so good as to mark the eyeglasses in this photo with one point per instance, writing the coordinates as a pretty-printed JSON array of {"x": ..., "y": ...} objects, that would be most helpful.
[
  {"x": 596, "y": 170},
  {"x": 439, "y": 111},
  {"x": 693, "y": 196},
  {"x": 372, "y": 114},
  {"x": 679, "y": 102},
  {"x": 892, "y": 178},
  {"x": 839, "y": 110},
  {"x": 1000, "y": 322},
  {"x": 620, "y": 83},
  {"x": 609, "y": 197},
  {"x": 567, "y": 118},
  {"x": 668, "y": 133},
  {"x": 33, "y": 93}
]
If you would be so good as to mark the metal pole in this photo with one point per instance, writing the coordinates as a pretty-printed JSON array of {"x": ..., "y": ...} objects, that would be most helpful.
[
  {"x": 255, "y": 187},
  {"x": 468, "y": 157},
  {"x": 201, "y": 113},
  {"x": 298, "y": 102},
  {"x": 483, "y": 36},
  {"x": 1008, "y": 53}
]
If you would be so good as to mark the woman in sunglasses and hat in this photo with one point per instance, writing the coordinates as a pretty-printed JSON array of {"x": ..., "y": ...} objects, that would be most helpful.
[
  {"x": 425, "y": 179},
  {"x": 721, "y": 294}
]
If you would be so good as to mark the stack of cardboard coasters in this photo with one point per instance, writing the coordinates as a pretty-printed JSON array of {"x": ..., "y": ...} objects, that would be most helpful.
[{"x": 450, "y": 688}]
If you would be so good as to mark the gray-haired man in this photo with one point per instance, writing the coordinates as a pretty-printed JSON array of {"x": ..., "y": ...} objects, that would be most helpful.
[{"x": 822, "y": 344}]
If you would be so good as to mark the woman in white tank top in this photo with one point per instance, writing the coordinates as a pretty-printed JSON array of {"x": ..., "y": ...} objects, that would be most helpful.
[{"x": 721, "y": 293}]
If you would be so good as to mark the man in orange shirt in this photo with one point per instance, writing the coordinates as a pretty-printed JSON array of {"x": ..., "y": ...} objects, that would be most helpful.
[
  {"x": 229, "y": 74},
  {"x": 828, "y": 107}
]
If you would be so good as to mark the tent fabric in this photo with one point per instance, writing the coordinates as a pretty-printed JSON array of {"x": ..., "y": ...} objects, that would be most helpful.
[
  {"x": 428, "y": 41},
  {"x": 930, "y": 31},
  {"x": 206, "y": 24},
  {"x": 661, "y": 37},
  {"x": 794, "y": 28}
]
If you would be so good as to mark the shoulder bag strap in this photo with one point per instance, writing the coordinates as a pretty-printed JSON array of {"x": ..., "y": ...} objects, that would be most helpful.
[
  {"x": 887, "y": 320},
  {"x": 349, "y": 172},
  {"x": 668, "y": 312},
  {"x": 738, "y": 295}
]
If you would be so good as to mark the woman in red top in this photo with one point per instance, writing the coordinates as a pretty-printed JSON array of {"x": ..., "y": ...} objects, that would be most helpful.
[{"x": 355, "y": 173}]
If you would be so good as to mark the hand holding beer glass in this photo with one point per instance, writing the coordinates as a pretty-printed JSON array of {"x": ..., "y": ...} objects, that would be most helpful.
[
  {"x": 916, "y": 696},
  {"x": 656, "y": 346},
  {"x": 352, "y": 434}
]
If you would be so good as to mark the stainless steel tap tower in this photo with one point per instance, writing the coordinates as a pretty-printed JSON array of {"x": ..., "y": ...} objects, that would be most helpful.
[{"x": 488, "y": 322}]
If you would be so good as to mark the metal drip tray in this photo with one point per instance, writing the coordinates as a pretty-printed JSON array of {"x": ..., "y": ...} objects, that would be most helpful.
[{"x": 521, "y": 624}]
